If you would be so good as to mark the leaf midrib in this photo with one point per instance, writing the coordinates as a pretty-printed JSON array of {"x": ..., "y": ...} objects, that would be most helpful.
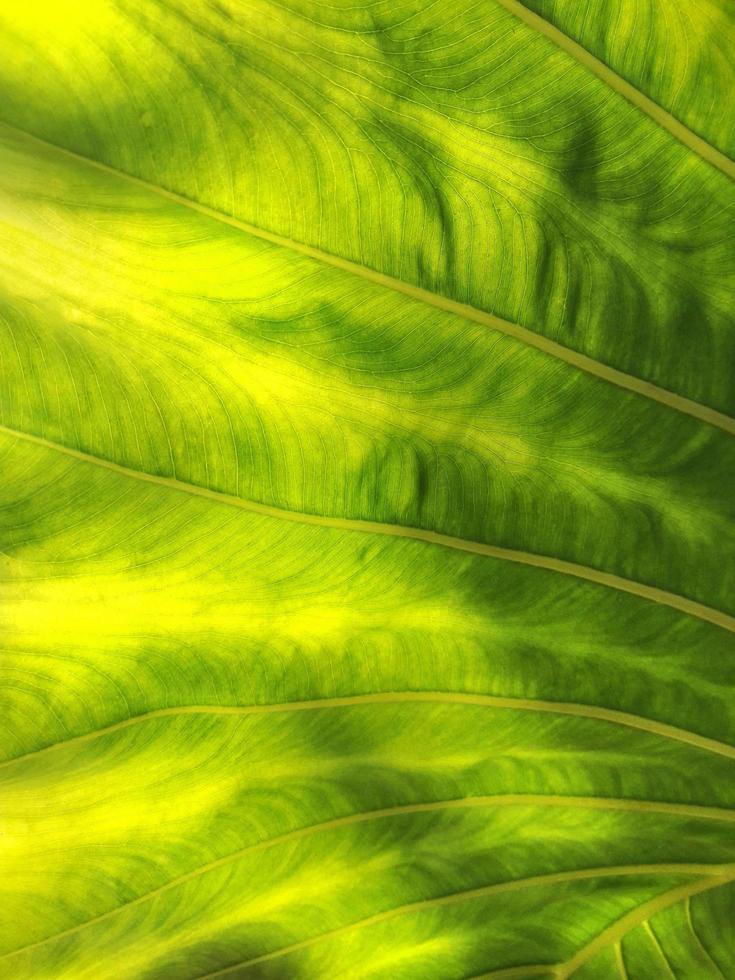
[
  {"x": 524, "y": 335},
  {"x": 547, "y": 562}
]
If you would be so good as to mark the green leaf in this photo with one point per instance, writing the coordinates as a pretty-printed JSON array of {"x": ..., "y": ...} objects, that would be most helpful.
[
  {"x": 675, "y": 54},
  {"x": 366, "y": 524}
]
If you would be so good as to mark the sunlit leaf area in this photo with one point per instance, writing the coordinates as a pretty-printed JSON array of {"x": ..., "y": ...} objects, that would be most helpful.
[{"x": 367, "y": 477}]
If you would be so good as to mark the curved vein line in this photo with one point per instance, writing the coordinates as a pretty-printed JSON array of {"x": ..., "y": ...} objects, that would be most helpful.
[
  {"x": 700, "y": 944},
  {"x": 647, "y": 910},
  {"x": 681, "y": 603},
  {"x": 619, "y": 84},
  {"x": 620, "y": 961},
  {"x": 573, "y": 709},
  {"x": 518, "y": 972},
  {"x": 522, "y": 334},
  {"x": 612, "y": 936},
  {"x": 473, "y": 802},
  {"x": 660, "y": 954},
  {"x": 725, "y": 872}
]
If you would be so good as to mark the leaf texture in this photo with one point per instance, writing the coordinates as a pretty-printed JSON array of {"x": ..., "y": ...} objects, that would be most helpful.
[
  {"x": 366, "y": 539},
  {"x": 676, "y": 54},
  {"x": 466, "y": 154}
]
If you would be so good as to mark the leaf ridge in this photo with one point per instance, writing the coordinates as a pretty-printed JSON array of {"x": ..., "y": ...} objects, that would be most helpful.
[
  {"x": 638, "y": 916},
  {"x": 613, "y": 934},
  {"x": 530, "y": 338},
  {"x": 510, "y": 799},
  {"x": 596, "y": 712},
  {"x": 651, "y": 593},
  {"x": 723, "y": 874}
]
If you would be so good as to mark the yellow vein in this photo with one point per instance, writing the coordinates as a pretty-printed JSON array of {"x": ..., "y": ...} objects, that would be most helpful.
[
  {"x": 613, "y": 936},
  {"x": 518, "y": 972},
  {"x": 638, "y": 916},
  {"x": 620, "y": 961},
  {"x": 561, "y": 877},
  {"x": 469, "y": 803},
  {"x": 660, "y": 954},
  {"x": 616, "y": 82},
  {"x": 592, "y": 712},
  {"x": 547, "y": 562},
  {"x": 700, "y": 945},
  {"x": 528, "y": 337}
]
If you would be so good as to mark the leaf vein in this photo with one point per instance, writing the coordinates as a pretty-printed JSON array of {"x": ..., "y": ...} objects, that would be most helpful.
[
  {"x": 573, "y": 709},
  {"x": 526, "y": 336},
  {"x": 605, "y": 73},
  {"x": 547, "y": 562}
]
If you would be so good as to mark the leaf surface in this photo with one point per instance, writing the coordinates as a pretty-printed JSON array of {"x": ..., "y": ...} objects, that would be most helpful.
[
  {"x": 470, "y": 155},
  {"x": 366, "y": 549}
]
